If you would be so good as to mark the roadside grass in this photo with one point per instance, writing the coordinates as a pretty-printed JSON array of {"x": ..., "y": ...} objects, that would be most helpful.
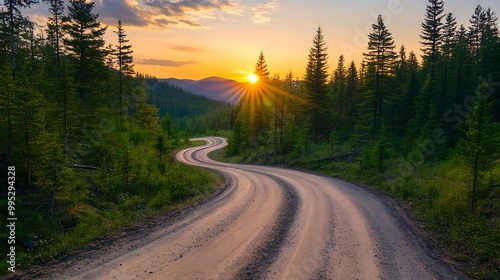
[
  {"x": 439, "y": 195},
  {"x": 97, "y": 203}
]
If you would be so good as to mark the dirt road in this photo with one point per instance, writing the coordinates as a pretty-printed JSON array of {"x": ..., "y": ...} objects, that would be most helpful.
[{"x": 273, "y": 223}]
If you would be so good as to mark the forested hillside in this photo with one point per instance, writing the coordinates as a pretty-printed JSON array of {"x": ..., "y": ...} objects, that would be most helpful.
[
  {"x": 217, "y": 88},
  {"x": 424, "y": 129},
  {"x": 183, "y": 111},
  {"x": 81, "y": 151}
]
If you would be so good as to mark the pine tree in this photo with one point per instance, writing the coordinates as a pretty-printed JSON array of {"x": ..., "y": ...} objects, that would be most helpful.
[
  {"x": 4, "y": 38},
  {"x": 55, "y": 32},
  {"x": 449, "y": 44},
  {"x": 481, "y": 141},
  {"x": 488, "y": 52},
  {"x": 460, "y": 62},
  {"x": 124, "y": 52},
  {"x": 85, "y": 42},
  {"x": 57, "y": 67},
  {"x": 402, "y": 76},
  {"x": 382, "y": 57},
  {"x": 316, "y": 82},
  {"x": 167, "y": 125},
  {"x": 124, "y": 60},
  {"x": 431, "y": 37},
  {"x": 483, "y": 34},
  {"x": 258, "y": 114},
  {"x": 339, "y": 106},
  {"x": 350, "y": 93},
  {"x": 261, "y": 70},
  {"x": 143, "y": 113},
  {"x": 16, "y": 21},
  {"x": 401, "y": 66},
  {"x": 411, "y": 91},
  {"x": 476, "y": 29}
]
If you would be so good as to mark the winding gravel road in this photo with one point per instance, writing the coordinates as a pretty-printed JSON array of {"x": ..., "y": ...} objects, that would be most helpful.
[{"x": 274, "y": 223}]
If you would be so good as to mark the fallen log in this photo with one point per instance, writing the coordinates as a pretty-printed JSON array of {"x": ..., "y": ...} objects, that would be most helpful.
[
  {"x": 349, "y": 157},
  {"x": 79, "y": 166}
]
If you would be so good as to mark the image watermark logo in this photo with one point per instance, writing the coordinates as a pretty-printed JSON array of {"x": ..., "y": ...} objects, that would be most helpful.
[{"x": 11, "y": 218}]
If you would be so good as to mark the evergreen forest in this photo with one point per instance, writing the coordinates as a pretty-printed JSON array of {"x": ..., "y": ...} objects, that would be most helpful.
[{"x": 183, "y": 113}]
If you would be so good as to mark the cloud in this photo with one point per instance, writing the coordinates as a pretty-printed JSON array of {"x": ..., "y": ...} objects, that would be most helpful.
[
  {"x": 112, "y": 10},
  {"x": 186, "y": 49},
  {"x": 164, "y": 13},
  {"x": 262, "y": 11},
  {"x": 164, "y": 62},
  {"x": 165, "y": 22},
  {"x": 179, "y": 8},
  {"x": 190, "y": 23}
]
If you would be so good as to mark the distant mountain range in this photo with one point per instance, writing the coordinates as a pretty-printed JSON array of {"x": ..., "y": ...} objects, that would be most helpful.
[{"x": 213, "y": 87}]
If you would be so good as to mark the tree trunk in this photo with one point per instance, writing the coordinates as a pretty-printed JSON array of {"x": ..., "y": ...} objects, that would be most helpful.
[
  {"x": 27, "y": 136},
  {"x": 12, "y": 38},
  {"x": 54, "y": 188},
  {"x": 475, "y": 170}
]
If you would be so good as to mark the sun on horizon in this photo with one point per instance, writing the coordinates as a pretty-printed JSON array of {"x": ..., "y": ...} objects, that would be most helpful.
[{"x": 252, "y": 78}]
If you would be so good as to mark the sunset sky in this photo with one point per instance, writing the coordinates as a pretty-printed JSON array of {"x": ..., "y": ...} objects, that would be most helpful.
[{"x": 194, "y": 39}]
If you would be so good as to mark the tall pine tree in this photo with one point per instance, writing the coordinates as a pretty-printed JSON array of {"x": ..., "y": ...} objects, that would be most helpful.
[
  {"x": 449, "y": 44},
  {"x": 55, "y": 32},
  {"x": 316, "y": 82},
  {"x": 431, "y": 37},
  {"x": 350, "y": 96},
  {"x": 124, "y": 62},
  {"x": 382, "y": 57},
  {"x": 16, "y": 22},
  {"x": 476, "y": 28},
  {"x": 339, "y": 104},
  {"x": 85, "y": 42},
  {"x": 261, "y": 70}
]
